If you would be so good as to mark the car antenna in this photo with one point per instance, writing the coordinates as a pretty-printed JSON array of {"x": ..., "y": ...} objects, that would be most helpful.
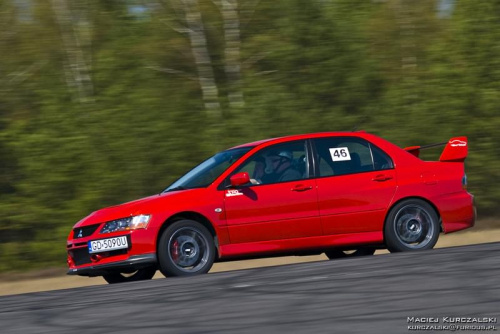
[{"x": 356, "y": 127}]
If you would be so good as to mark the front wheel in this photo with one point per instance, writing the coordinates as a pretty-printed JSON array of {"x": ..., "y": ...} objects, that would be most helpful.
[
  {"x": 411, "y": 225},
  {"x": 138, "y": 275},
  {"x": 339, "y": 254},
  {"x": 186, "y": 248}
]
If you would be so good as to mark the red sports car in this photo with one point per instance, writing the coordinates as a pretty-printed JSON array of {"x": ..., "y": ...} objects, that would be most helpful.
[{"x": 341, "y": 193}]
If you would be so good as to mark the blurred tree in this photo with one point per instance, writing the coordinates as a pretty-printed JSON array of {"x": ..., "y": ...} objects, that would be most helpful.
[
  {"x": 75, "y": 30},
  {"x": 474, "y": 57},
  {"x": 232, "y": 41},
  {"x": 403, "y": 38}
]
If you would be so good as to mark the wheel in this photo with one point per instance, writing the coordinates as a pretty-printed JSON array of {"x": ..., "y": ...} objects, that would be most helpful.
[
  {"x": 138, "y": 275},
  {"x": 411, "y": 225},
  {"x": 186, "y": 248},
  {"x": 339, "y": 254}
]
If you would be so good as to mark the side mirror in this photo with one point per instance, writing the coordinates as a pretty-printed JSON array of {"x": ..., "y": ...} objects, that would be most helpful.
[{"x": 239, "y": 179}]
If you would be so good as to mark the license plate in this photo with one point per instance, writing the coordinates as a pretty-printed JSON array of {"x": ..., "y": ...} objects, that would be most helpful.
[{"x": 105, "y": 245}]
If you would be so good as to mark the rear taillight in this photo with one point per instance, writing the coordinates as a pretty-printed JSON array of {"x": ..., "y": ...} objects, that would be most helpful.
[{"x": 464, "y": 182}]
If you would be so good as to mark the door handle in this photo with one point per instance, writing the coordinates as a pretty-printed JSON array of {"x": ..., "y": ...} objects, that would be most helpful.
[
  {"x": 382, "y": 178},
  {"x": 301, "y": 187}
]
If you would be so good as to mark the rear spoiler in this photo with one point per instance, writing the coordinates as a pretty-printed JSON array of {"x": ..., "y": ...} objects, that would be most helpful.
[{"x": 454, "y": 151}]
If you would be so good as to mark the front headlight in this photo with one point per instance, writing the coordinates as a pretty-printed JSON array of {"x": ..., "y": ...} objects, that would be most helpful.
[{"x": 126, "y": 224}]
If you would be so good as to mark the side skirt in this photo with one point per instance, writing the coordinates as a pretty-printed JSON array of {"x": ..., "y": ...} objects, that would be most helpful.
[{"x": 300, "y": 246}]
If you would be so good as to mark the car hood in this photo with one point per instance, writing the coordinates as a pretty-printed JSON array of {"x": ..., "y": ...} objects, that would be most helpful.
[{"x": 146, "y": 205}]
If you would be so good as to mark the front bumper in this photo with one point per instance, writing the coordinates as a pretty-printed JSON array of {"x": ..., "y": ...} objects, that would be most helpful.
[
  {"x": 133, "y": 263},
  {"x": 141, "y": 252}
]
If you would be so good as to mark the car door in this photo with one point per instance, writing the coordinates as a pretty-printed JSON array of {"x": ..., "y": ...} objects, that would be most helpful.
[
  {"x": 356, "y": 183},
  {"x": 279, "y": 205}
]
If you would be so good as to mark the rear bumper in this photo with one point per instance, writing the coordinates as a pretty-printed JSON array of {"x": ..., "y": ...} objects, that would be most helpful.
[
  {"x": 458, "y": 211},
  {"x": 134, "y": 262}
]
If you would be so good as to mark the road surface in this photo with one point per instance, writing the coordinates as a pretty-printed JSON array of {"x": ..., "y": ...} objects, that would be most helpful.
[{"x": 363, "y": 295}]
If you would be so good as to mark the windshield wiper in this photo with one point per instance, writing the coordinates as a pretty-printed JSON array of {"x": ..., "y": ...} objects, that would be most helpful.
[{"x": 175, "y": 189}]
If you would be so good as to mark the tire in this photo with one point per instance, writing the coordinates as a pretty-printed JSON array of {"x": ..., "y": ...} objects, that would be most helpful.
[
  {"x": 139, "y": 275},
  {"x": 411, "y": 225},
  {"x": 340, "y": 254},
  {"x": 186, "y": 248}
]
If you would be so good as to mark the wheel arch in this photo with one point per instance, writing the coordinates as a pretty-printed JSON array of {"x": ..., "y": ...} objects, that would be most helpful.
[
  {"x": 190, "y": 215},
  {"x": 415, "y": 197}
]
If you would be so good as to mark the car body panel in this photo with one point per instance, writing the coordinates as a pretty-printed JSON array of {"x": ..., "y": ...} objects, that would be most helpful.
[
  {"x": 272, "y": 212},
  {"x": 356, "y": 198}
]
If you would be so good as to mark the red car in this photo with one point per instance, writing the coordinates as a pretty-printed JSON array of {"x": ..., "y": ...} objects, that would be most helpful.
[{"x": 341, "y": 193}]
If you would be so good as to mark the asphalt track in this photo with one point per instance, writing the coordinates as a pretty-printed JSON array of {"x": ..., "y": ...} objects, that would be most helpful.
[{"x": 364, "y": 295}]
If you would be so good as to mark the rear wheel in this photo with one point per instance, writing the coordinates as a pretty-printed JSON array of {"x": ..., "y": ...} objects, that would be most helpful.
[
  {"x": 411, "y": 225},
  {"x": 186, "y": 248},
  {"x": 339, "y": 254},
  {"x": 138, "y": 275}
]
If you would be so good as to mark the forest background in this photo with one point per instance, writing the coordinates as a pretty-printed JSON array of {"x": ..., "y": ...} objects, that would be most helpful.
[{"x": 106, "y": 101}]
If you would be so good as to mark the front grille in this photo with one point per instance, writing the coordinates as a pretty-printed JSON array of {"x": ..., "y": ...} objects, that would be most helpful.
[
  {"x": 81, "y": 256},
  {"x": 85, "y": 231}
]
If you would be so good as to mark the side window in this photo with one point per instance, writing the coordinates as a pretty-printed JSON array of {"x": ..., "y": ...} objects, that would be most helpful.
[
  {"x": 380, "y": 159},
  {"x": 278, "y": 163},
  {"x": 348, "y": 155}
]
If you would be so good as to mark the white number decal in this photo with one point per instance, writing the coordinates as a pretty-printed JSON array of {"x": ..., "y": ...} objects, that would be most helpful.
[{"x": 340, "y": 154}]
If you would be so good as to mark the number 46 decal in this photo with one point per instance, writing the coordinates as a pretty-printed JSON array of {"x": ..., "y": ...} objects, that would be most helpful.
[{"x": 340, "y": 154}]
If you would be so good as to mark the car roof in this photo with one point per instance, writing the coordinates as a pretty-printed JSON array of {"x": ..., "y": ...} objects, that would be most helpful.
[{"x": 300, "y": 136}]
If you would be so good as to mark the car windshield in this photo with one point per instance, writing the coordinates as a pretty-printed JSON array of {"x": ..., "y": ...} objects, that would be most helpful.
[{"x": 206, "y": 172}]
